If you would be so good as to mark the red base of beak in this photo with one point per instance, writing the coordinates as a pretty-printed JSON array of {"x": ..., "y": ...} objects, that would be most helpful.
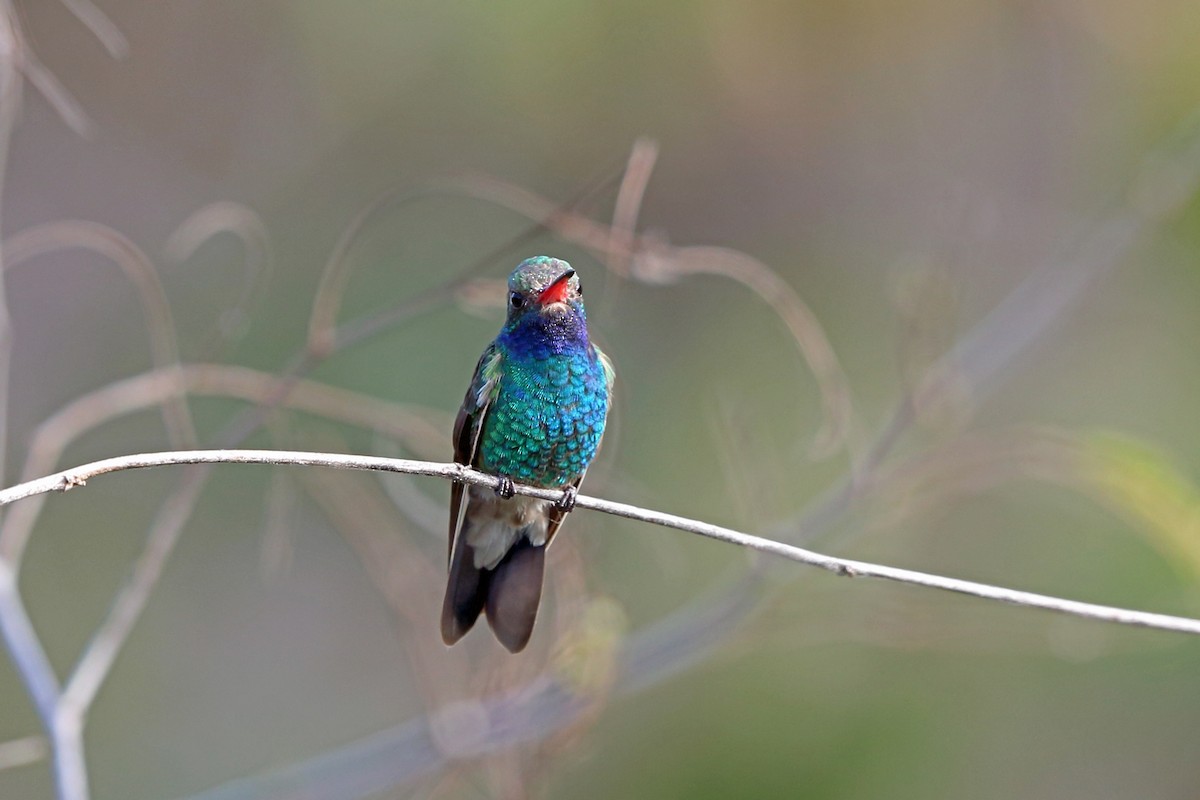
[{"x": 557, "y": 291}]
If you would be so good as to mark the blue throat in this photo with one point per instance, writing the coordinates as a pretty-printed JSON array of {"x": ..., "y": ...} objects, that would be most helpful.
[{"x": 538, "y": 336}]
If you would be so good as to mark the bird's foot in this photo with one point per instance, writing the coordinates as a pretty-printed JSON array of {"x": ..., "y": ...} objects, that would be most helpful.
[
  {"x": 504, "y": 489},
  {"x": 566, "y": 503}
]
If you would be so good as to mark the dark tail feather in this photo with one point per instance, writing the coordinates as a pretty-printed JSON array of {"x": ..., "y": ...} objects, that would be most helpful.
[
  {"x": 466, "y": 593},
  {"x": 514, "y": 589}
]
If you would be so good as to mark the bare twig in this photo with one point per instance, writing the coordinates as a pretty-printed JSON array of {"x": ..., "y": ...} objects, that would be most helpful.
[
  {"x": 541, "y": 707},
  {"x": 103, "y": 28},
  {"x": 19, "y": 752},
  {"x": 322, "y": 323},
  {"x": 671, "y": 263},
  {"x": 160, "y": 324},
  {"x": 149, "y": 390},
  {"x": 50, "y": 440},
  {"x": 629, "y": 204},
  {"x": 97, "y": 660},
  {"x": 61, "y": 100},
  {"x": 324, "y": 335},
  {"x": 652, "y": 260},
  {"x": 11, "y": 93},
  {"x": 844, "y": 567},
  {"x": 26, "y": 650},
  {"x": 248, "y": 227}
]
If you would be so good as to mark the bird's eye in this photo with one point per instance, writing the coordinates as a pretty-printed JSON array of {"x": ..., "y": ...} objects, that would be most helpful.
[{"x": 516, "y": 300}]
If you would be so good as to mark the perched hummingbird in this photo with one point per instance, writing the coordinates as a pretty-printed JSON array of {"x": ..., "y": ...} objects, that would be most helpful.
[{"x": 534, "y": 413}]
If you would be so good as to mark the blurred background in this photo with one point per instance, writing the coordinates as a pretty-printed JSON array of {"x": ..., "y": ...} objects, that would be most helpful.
[{"x": 889, "y": 171}]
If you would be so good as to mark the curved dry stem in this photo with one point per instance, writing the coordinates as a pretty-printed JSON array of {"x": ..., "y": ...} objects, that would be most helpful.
[
  {"x": 324, "y": 336},
  {"x": 327, "y": 302},
  {"x": 101, "y": 653},
  {"x": 629, "y": 204},
  {"x": 410, "y": 582},
  {"x": 669, "y": 263},
  {"x": 544, "y": 705},
  {"x": 103, "y": 28},
  {"x": 403, "y": 423},
  {"x": 243, "y": 223},
  {"x": 61, "y": 100},
  {"x": 10, "y": 106},
  {"x": 573, "y": 227},
  {"x": 160, "y": 325},
  {"x": 655, "y": 262}
]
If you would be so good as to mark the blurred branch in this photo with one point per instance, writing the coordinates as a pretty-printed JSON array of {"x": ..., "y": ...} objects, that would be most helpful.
[
  {"x": 628, "y": 204},
  {"x": 137, "y": 267},
  {"x": 17, "y": 59},
  {"x": 58, "y": 431},
  {"x": 324, "y": 336},
  {"x": 543, "y": 706},
  {"x": 11, "y": 93},
  {"x": 844, "y": 567},
  {"x": 651, "y": 259},
  {"x": 127, "y": 396},
  {"x": 248, "y": 227},
  {"x": 103, "y": 28},
  {"x": 19, "y": 752}
]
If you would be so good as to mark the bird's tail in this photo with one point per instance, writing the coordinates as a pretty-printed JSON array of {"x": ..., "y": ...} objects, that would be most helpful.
[{"x": 510, "y": 593}]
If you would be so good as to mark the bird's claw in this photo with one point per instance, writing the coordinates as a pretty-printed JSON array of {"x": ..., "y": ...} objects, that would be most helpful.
[
  {"x": 566, "y": 503},
  {"x": 504, "y": 489}
]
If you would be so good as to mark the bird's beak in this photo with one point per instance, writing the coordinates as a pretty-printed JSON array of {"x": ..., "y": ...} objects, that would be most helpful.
[{"x": 557, "y": 291}]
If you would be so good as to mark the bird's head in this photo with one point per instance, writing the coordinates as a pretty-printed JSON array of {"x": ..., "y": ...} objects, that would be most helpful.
[{"x": 542, "y": 288}]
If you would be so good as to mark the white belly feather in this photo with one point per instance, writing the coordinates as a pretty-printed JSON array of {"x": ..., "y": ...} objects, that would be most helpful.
[{"x": 495, "y": 524}]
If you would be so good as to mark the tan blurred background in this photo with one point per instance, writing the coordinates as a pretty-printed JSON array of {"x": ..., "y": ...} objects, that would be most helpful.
[{"x": 901, "y": 167}]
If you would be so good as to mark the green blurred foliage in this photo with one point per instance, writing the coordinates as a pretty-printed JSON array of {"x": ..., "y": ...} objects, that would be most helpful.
[{"x": 857, "y": 149}]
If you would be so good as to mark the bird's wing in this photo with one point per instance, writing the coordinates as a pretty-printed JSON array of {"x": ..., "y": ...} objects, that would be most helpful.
[{"x": 469, "y": 424}]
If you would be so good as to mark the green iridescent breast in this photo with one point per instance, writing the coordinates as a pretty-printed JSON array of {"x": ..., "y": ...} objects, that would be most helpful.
[{"x": 546, "y": 420}]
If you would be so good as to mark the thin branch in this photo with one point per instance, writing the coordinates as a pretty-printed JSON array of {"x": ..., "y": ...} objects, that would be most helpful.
[
  {"x": 324, "y": 334},
  {"x": 79, "y": 476},
  {"x": 103, "y": 28},
  {"x": 322, "y": 323},
  {"x": 98, "y": 658},
  {"x": 28, "y": 655},
  {"x": 240, "y": 221},
  {"x": 160, "y": 324},
  {"x": 150, "y": 389},
  {"x": 102, "y": 651},
  {"x": 670, "y": 263},
  {"x": 11, "y": 95},
  {"x": 541, "y": 707},
  {"x": 629, "y": 204},
  {"x": 652, "y": 260},
  {"x": 57, "y": 95},
  {"x": 19, "y": 752}
]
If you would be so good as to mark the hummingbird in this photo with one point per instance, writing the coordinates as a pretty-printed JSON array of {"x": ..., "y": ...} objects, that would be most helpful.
[{"x": 534, "y": 413}]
